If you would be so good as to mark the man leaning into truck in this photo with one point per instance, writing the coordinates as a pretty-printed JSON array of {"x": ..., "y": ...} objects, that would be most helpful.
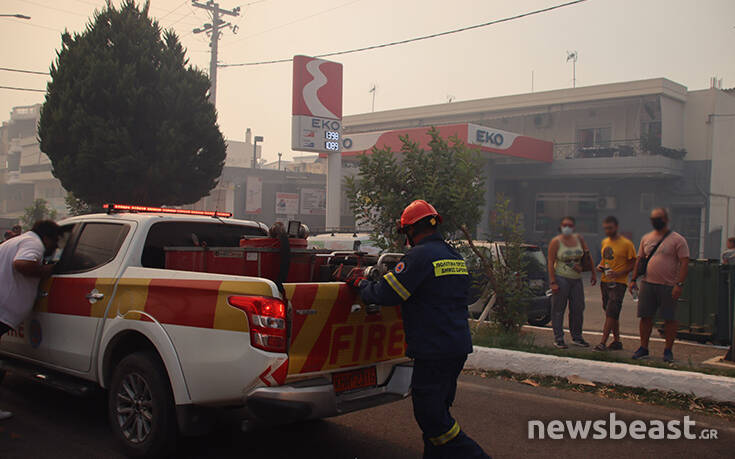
[
  {"x": 21, "y": 268},
  {"x": 431, "y": 283}
]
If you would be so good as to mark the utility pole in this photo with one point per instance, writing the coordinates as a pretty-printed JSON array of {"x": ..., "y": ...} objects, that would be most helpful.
[
  {"x": 372, "y": 90},
  {"x": 213, "y": 29}
]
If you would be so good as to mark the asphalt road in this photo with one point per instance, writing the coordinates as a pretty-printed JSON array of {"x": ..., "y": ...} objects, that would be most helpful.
[{"x": 494, "y": 412}]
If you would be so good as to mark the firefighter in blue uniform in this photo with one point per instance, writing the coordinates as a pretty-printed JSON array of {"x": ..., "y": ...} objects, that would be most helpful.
[{"x": 431, "y": 283}]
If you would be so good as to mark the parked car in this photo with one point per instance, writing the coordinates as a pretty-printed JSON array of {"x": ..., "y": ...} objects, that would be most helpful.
[{"x": 538, "y": 308}]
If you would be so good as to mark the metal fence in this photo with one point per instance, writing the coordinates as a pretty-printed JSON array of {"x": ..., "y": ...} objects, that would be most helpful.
[{"x": 611, "y": 149}]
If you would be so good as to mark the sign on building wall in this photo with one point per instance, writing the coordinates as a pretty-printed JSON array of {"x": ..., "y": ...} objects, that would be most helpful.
[
  {"x": 287, "y": 203},
  {"x": 317, "y": 105},
  {"x": 313, "y": 201},
  {"x": 254, "y": 195}
]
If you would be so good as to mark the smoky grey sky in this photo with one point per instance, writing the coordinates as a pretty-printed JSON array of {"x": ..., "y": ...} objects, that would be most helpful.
[{"x": 617, "y": 40}]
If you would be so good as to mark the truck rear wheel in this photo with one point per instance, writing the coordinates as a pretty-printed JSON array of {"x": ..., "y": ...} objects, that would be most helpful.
[{"x": 141, "y": 406}]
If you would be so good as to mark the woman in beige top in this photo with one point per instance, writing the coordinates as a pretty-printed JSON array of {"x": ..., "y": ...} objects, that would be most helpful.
[{"x": 565, "y": 277}]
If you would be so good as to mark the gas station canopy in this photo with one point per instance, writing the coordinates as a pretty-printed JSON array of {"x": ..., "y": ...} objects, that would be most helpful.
[{"x": 497, "y": 144}]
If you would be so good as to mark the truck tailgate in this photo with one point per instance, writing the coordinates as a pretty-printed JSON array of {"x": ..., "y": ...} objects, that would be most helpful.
[{"x": 331, "y": 330}]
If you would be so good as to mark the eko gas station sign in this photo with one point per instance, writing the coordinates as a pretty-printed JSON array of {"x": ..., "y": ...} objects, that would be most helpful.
[
  {"x": 317, "y": 105},
  {"x": 316, "y": 121}
]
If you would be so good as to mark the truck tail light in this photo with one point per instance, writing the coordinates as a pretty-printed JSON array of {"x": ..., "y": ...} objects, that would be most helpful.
[{"x": 267, "y": 318}]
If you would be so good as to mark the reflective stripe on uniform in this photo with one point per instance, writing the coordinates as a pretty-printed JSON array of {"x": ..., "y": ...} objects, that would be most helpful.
[
  {"x": 397, "y": 286},
  {"x": 446, "y": 437},
  {"x": 448, "y": 267}
]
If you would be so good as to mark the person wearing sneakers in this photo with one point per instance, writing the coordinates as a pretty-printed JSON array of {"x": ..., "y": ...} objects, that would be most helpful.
[
  {"x": 565, "y": 278},
  {"x": 618, "y": 260},
  {"x": 663, "y": 262}
]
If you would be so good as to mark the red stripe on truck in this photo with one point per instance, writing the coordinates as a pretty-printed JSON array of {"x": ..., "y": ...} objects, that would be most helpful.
[
  {"x": 303, "y": 299},
  {"x": 319, "y": 353},
  {"x": 190, "y": 303},
  {"x": 68, "y": 295}
]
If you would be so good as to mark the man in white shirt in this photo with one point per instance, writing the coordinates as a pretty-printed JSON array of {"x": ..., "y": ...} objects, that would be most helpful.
[{"x": 21, "y": 269}]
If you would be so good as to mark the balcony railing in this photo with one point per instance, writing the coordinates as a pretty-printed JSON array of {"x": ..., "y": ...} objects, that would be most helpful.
[{"x": 614, "y": 149}]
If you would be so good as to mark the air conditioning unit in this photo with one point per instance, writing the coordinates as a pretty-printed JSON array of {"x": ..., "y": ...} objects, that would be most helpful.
[{"x": 607, "y": 203}]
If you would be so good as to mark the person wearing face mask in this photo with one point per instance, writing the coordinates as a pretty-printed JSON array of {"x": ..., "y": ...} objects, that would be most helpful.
[
  {"x": 663, "y": 263},
  {"x": 565, "y": 277},
  {"x": 431, "y": 284},
  {"x": 21, "y": 269}
]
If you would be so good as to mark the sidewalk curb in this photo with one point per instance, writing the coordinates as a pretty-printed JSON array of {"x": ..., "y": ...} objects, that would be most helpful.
[{"x": 719, "y": 388}]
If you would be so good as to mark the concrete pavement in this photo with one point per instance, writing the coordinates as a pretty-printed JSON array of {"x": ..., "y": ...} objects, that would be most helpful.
[
  {"x": 686, "y": 353},
  {"x": 494, "y": 412},
  {"x": 594, "y": 315}
]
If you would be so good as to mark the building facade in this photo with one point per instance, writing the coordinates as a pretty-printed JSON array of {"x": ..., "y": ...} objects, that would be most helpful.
[
  {"x": 25, "y": 172},
  {"x": 619, "y": 149}
]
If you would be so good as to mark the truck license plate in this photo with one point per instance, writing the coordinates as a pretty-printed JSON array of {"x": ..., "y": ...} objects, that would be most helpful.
[{"x": 355, "y": 379}]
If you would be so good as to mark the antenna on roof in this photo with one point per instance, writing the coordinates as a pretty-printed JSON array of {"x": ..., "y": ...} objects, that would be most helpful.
[{"x": 572, "y": 56}]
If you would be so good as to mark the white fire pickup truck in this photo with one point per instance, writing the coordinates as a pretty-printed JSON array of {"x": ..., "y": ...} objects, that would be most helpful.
[{"x": 142, "y": 305}]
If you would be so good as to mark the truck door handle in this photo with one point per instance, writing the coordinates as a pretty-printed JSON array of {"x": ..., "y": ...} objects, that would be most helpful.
[{"x": 94, "y": 296}]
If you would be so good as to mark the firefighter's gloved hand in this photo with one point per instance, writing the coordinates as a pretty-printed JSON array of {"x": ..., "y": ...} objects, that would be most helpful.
[{"x": 355, "y": 277}]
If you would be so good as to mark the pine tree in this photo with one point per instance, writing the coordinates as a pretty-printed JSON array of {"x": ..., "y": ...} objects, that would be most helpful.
[{"x": 126, "y": 118}]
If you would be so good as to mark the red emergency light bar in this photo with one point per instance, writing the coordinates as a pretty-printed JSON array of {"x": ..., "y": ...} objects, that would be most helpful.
[{"x": 131, "y": 208}]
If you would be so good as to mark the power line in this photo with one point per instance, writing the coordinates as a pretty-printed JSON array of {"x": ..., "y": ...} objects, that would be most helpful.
[
  {"x": 60, "y": 10},
  {"x": 39, "y": 26},
  {"x": 318, "y": 13},
  {"x": 159, "y": 19},
  {"x": 22, "y": 89},
  {"x": 173, "y": 10},
  {"x": 411, "y": 40},
  {"x": 32, "y": 72}
]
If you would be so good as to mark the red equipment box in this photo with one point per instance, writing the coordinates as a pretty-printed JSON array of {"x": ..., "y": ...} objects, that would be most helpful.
[{"x": 257, "y": 257}]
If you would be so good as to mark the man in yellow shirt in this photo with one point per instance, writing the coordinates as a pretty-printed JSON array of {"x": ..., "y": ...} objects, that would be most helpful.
[{"x": 618, "y": 260}]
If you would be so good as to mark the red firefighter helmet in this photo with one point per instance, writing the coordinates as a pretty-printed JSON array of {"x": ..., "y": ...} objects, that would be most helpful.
[{"x": 417, "y": 210}]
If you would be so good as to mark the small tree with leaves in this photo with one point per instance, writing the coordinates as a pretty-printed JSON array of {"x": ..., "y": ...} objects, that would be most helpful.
[
  {"x": 75, "y": 206},
  {"x": 506, "y": 279},
  {"x": 447, "y": 174},
  {"x": 39, "y": 210}
]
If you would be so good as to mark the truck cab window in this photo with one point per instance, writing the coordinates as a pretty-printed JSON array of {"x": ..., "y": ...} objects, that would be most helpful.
[
  {"x": 192, "y": 234},
  {"x": 97, "y": 245},
  {"x": 64, "y": 238}
]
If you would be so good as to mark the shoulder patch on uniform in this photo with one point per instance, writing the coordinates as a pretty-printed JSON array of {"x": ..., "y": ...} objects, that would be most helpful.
[{"x": 400, "y": 267}]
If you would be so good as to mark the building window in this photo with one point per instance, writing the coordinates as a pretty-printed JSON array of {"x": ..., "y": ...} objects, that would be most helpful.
[
  {"x": 552, "y": 207},
  {"x": 594, "y": 137},
  {"x": 647, "y": 200}
]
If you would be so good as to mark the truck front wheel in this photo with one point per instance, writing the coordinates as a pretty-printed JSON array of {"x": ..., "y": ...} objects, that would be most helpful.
[{"x": 141, "y": 406}]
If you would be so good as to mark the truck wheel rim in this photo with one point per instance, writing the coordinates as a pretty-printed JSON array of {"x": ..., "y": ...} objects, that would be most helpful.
[{"x": 134, "y": 408}]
